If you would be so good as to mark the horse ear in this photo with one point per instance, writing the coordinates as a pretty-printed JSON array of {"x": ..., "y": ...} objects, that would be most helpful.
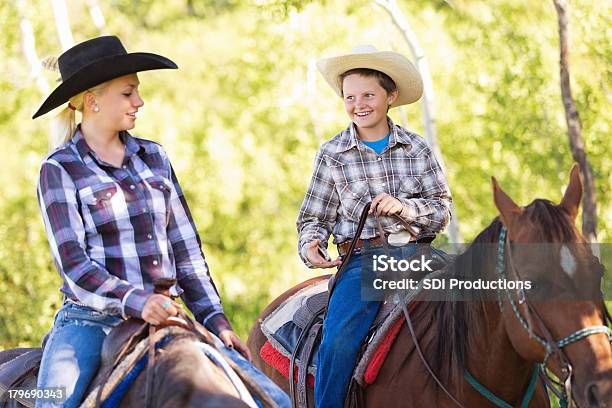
[
  {"x": 573, "y": 193},
  {"x": 508, "y": 210}
]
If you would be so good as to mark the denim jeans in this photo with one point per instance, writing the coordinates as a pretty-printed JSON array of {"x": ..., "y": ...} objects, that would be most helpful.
[
  {"x": 346, "y": 326},
  {"x": 274, "y": 391},
  {"x": 72, "y": 354}
]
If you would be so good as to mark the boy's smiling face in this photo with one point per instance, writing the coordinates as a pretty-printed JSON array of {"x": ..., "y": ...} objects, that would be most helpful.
[{"x": 366, "y": 103}]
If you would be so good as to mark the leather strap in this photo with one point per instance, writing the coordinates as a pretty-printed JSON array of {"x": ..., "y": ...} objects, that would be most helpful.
[
  {"x": 417, "y": 347},
  {"x": 305, "y": 358},
  {"x": 345, "y": 260},
  {"x": 162, "y": 287},
  {"x": 150, "y": 376},
  {"x": 292, "y": 392}
]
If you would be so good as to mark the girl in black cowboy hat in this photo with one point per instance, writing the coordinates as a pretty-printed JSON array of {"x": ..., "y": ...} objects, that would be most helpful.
[{"x": 115, "y": 217}]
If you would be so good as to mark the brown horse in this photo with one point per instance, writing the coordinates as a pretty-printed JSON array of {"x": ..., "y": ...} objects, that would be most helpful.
[
  {"x": 183, "y": 377},
  {"x": 487, "y": 338}
]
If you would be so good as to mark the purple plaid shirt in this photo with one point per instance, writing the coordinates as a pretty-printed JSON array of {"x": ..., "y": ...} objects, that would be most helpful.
[
  {"x": 114, "y": 230},
  {"x": 347, "y": 175}
]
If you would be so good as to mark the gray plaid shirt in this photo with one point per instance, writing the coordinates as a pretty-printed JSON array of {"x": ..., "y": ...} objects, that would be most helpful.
[{"x": 348, "y": 175}]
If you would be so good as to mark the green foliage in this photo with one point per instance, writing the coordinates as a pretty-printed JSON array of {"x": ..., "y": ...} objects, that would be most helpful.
[{"x": 243, "y": 116}]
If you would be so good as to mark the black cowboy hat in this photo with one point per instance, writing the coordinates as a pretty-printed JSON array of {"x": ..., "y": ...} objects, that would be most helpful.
[{"x": 95, "y": 61}]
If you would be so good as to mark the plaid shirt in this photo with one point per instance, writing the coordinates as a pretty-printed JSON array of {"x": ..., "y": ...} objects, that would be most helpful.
[
  {"x": 114, "y": 230},
  {"x": 348, "y": 175}
]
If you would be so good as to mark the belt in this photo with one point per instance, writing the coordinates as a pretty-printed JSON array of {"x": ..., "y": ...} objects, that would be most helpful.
[{"x": 375, "y": 242}]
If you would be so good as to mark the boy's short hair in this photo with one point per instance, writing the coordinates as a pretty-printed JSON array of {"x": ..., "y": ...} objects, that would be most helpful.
[{"x": 383, "y": 79}]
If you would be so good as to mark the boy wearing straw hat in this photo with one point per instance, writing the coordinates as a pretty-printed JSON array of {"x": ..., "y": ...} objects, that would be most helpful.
[{"x": 372, "y": 160}]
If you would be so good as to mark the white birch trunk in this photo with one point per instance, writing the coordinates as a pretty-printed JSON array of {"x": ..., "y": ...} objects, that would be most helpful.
[
  {"x": 28, "y": 44},
  {"x": 96, "y": 15},
  {"x": 62, "y": 23}
]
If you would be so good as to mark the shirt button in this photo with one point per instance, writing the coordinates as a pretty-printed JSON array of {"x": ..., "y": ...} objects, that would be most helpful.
[
  {"x": 380, "y": 158},
  {"x": 149, "y": 236},
  {"x": 132, "y": 186},
  {"x": 155, "y": 263}
]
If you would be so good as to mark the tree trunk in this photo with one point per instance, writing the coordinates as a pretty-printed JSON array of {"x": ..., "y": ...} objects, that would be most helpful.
[
  {"x": 574, "y": 127},
  {"x": 96, "y": 15},
  {"x": 190, "y": 8},
  {"x": 28, "y": 42},
  {"x": 429, "y": 122},
  {"x": 62, "y": 24}
]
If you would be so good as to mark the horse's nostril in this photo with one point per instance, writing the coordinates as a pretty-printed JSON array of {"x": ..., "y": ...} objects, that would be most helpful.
[{"x": 592, "y": 396}]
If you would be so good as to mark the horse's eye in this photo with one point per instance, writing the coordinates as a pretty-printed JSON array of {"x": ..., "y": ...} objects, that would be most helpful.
[{"x": 537, "y": 288}]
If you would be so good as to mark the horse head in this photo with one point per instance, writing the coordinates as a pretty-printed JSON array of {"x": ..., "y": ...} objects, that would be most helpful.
[{"x": 561, "y": 321}]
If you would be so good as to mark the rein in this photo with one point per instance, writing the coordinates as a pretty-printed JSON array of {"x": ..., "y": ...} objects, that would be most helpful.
[{"x": 552, "y": 347}]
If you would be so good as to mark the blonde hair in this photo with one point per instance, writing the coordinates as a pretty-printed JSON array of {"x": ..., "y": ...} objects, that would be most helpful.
[{"x": 64, "y": 123}]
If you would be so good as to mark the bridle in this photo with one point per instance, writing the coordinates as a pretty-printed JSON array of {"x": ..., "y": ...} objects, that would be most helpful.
[{"x": 553, "y": 348}]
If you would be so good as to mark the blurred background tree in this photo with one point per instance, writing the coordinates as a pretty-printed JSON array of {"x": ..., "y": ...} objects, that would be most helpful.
[{"x": 244, "y": 115}]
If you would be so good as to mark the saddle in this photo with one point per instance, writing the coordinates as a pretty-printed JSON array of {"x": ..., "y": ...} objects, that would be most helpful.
[
  {"x": 19, "y": 369},
  {"x": 125, "y": 345}
]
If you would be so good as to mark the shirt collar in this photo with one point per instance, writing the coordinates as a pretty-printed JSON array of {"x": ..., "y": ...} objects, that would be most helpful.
[
  {"x": 349, "y": 138},
  {"x": 398, "y": 135},
  {"x": 132, "y": 145}
]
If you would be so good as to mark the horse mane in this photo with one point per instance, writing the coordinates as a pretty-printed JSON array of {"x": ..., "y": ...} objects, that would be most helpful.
[{"x": 458, "y": 323}]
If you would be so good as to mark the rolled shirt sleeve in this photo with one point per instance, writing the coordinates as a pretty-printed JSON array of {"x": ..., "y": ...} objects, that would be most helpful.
[{"x": 318, "y": 211}]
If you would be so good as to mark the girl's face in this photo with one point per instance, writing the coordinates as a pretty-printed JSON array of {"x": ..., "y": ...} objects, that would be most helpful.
[
  {"x": 118, "y": 103},
  {"x": 366, "y": 102}
]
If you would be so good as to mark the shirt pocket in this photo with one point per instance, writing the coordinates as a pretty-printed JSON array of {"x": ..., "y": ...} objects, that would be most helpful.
[
  {"x": 160, "y": 190},
  {"x": 410, "y": 187},
  {"x": 353, "y": 198},
  {"x": 97, "y": 203}
]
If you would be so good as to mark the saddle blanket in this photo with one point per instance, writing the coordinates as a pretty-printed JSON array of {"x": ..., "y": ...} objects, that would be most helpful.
[
  {"x": 282, "y": 333},
  {"x": 282, "y": 330}
]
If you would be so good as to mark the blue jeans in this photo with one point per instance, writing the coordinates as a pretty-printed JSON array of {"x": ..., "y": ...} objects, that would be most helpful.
[
  {"x": 274, "y": 391},
  {"x": 72, "y": 354},
  {"x": 345, "y": 328}
]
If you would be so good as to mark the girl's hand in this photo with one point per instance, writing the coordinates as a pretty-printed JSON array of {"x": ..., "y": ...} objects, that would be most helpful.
[
  {"x": 316, "y": 258},
  {"x": 229, "y": 338},
  {"x": 385, "y": 204},
  {"x": 158, "y": 308}
]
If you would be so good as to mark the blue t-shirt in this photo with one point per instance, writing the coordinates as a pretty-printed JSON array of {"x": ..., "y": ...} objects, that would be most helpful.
[{"x": 378, "y": 145}]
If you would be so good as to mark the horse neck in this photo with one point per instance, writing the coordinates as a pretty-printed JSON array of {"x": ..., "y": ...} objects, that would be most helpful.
[
  {"x": 489, "y": 349},
  {"x": 493, "y": 352}
]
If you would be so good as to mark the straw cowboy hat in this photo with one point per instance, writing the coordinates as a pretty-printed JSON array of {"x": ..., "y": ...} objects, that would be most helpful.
[
  {"x": 396, "y": 66},
  {"x": 95, "y": 61}
]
